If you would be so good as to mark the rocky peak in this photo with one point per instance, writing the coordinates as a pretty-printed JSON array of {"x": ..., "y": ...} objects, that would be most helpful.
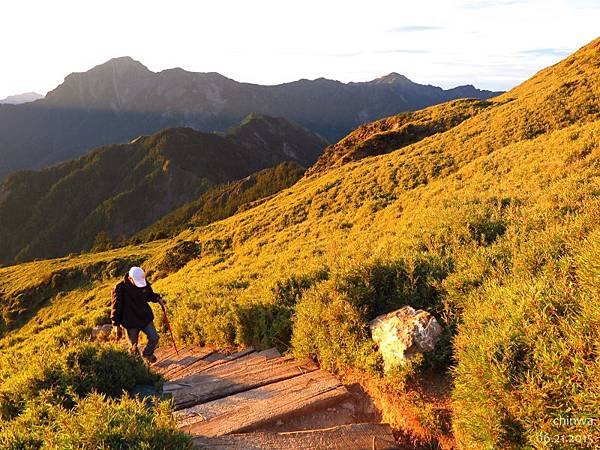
[
  {"x": 392, "y": 78},
  {"x": 111, "y": 85},
  {"x": 121, "y": 64}
]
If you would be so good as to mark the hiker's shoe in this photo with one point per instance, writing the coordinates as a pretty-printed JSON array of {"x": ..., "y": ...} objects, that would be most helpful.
[{"x": 150, "y": 358}]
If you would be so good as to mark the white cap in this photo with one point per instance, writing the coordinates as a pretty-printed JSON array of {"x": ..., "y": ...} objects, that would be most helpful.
[{"x": 138, "y": 276}]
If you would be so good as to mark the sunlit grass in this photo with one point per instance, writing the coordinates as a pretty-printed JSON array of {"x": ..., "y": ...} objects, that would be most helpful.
[{"x": 492, "y": 226}]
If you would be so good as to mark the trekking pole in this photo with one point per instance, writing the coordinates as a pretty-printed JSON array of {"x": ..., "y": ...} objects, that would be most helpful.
[{"x": 170, "y": 330}]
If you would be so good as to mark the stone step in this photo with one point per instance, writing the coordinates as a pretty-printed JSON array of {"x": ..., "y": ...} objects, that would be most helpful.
[
  {"x": 242, "y": 375},
  {"x": 360, "y": 436},
  {"x": 250, "y": 409},
  {"x": 165, "y": 352}
]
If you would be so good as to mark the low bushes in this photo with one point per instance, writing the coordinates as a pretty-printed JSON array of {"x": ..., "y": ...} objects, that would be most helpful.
[
  {"x": 74, "y": 398},
  {"x": 270, "y": 324},
  {"x": 330, "y": 329},
  {"x": 331, "y": 321},
  {"x": 72, "y": 373},
  {"x": 94, "y": 422},
  {"x": 527, "y": 353},
  {"x": 178, "y": 256}
]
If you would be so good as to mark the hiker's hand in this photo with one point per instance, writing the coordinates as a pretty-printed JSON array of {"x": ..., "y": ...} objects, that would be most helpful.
[{"x": 118, "y": 332}]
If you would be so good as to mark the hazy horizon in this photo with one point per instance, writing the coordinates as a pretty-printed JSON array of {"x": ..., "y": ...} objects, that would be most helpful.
[{"x": 492, "y": 44}]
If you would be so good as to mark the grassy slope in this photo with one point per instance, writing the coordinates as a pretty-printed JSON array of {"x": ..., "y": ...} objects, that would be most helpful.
[
  {"x": 506, "y": 197},
  {"x": 490, "y": 225},
  {"x": 345, "y": 205},
  {"x": 392, "y": 133},
  {"x": 56, "y": 389},
  {"x": 223, "y": 201}
]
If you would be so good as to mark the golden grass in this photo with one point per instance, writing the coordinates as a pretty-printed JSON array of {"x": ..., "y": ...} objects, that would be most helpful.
[{"x": 475, "y": 224}]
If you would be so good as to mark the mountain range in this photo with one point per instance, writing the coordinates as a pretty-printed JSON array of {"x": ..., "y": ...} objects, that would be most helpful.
[
  {"x": 117, "y": 190},
  {"x": 21, "y": 98},
  {"x": 121, "y": 99}
]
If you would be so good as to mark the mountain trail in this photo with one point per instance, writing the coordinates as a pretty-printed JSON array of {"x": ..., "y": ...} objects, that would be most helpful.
[{"x": 262, "y": 400}]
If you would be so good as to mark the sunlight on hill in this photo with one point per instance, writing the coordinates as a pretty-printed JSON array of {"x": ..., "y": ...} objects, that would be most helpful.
[{"x": 491, "y": 225}]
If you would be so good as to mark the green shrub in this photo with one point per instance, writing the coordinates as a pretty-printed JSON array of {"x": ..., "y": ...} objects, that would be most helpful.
[
  {"x": 72, "y": 373},
  {"x": 527, "y": 356},
  {"x": 74, "y": 398},
  {"x": 106, "y": 370},
  {"x": 330, "y": 329},
  {"x": 178, "y": 256},
  {"x": 205, "y": 320},
  {"x": 269, "y": 324},
  {"x": 379, "y": 286},
  {"x": 264, "y": 325},
  {"x": 95, "y": 422}
]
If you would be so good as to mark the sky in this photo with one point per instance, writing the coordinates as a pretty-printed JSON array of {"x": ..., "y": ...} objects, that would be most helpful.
[{"x": 493, "y": 44}]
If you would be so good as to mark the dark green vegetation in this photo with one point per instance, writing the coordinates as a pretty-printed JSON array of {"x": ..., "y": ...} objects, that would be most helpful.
[
  {"x": 492, "y": 225},
  {"x": 121, "y": 99},
  {"x": 113, "y": 192},
  {"x": 223, "y": 201}
]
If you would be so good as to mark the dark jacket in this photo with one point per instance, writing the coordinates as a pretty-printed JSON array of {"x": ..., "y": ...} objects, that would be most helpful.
[{"x": 130, "y": 307}]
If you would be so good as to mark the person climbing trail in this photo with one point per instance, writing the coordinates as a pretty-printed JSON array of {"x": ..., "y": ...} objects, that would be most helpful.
[{"x": 130, "y": 310}]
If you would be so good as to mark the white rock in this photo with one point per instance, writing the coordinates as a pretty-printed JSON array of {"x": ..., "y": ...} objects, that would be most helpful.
[{"x": 403, "y": 333}]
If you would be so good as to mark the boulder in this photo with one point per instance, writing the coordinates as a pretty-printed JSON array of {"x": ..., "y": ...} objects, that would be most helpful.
[{"x": 403, "y": 333}]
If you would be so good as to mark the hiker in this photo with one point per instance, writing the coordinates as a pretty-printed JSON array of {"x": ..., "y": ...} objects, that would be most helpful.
[{"x": 130, "y": 310}]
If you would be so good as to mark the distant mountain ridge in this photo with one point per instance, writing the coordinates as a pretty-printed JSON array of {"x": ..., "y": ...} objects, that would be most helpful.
[
  {"x": 120, "y": 99},
  {"x": 21, "y": 98},
  {"x": 117, "y": 190}
]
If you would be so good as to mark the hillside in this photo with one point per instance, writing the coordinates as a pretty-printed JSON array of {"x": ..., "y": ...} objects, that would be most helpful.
[
  {"x": 491, "y": 225},
  {"x": 121, "y": 99},
  {"x": 115, "y": 191},
  {"x": 223, "y": 201},
  {"x": 534, "y": 108},
  {"x": 393, "y": 133}
]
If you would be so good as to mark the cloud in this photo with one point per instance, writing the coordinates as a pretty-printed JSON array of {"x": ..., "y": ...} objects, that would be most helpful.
[
  {"x": 341, "y": 54},
  {"x": 348, "y": 54},
  {"x": 481, "y": 4},
  {"x": 584, "y": 4},
  {"x": 413, "y": 28},
  {"x": 404, "y": 50},
  {"x": 539, "y": 52}
]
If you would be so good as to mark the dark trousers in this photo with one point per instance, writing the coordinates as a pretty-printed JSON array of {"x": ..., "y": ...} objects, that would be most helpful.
[{"x": 134, "y": 333}]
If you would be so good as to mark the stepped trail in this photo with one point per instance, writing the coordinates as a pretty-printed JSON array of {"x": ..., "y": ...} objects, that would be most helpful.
[{"x": 262, "y": 400}]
